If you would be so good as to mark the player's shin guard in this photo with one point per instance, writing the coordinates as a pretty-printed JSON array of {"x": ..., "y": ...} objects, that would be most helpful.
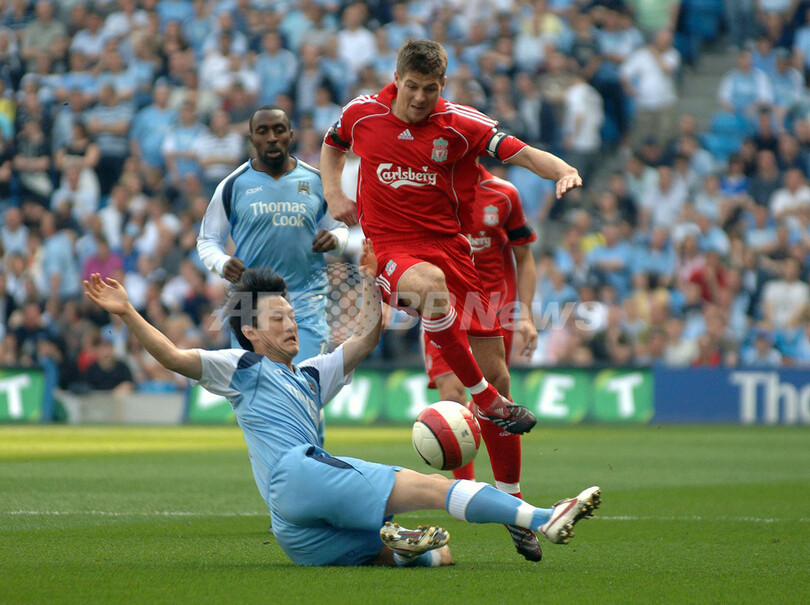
[
  {"x": 478, "y": 502},
  {"x": 446, "y": 333}
]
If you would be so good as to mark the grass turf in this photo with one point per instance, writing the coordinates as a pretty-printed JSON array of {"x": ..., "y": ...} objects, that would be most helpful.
[{"x": 171, "y": 515}]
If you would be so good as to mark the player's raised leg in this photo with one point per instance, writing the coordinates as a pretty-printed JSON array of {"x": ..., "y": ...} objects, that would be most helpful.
[
  {"x": 478, "y": 502},
  {"x": 423, "y": 287}
]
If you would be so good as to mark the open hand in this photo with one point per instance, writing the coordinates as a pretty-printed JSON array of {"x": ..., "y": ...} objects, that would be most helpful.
[
  {"x": 567, "y": 183},
  {"x": 107, "y": 294}
]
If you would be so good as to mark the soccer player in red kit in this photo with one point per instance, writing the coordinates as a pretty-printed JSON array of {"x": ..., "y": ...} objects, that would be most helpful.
[
  {"x": 499, "y": 237},
  {"x": 417, "y": 178}
]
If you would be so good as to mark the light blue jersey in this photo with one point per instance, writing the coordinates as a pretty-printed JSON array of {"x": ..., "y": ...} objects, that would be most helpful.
[
  {"x": 273, "y": 223},
  {"x": 325, "y": 510}
]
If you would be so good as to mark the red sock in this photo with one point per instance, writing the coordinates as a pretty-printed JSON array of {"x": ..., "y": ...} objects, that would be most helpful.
[
  {"x": 465, "y": 472},
  {"x": 447, "y": 334},
  {"x": 504, "y": 455}
]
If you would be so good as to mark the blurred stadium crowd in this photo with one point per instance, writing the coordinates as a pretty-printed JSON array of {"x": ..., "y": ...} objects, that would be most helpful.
[{"x": 686, "y": 247}]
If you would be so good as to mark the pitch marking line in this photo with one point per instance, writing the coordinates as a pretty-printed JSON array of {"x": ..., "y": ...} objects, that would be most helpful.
[{"x": 180, "y": 513}]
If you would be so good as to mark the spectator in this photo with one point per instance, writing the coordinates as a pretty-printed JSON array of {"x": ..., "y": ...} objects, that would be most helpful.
[
  {"x": 71, "y": 199},
  {"x": 657, "y": 259},
  {"x": 44, "y": 33},
  {"x": 28, "y": 327},
  {"x": 355, "y": 44},
  {"x": 124, "y": 80},
  {"x": 401, "y": 28},
  {"x": 90, "y": 40},
  {"x": 150, "y": 127},
  {"x": 109, "y": 122},
  {"x": 179, "y": 146},
  {"x": 276, "y": 68},
  {"x": 766, "y": 180},
  {"x": 326, "y": 112},
  {"x": 6, "y": 169},
  {"x": 662, "y": 202},
  {"x": 107, "y": 372},
  {"x": 762, "y": 353},
  {"x": 791, "y": 199},
  {"x": 584, "y": 116},
  {"x": 105, "y": 262},
  {"x": 611, "y": 262},
  {"x": 125, "y": 20},
  {"x": 60, "y": 269},
  {"x": 648, "y": 76},
  {"x": 32, "y": 164},
  {"x": 788, "y": 87},
  {"x": 218, "y": 152},
  {"x": 745, "y": 89},
  {"x": 13, "y": 233},
  {"x": 784, "y": 300}
]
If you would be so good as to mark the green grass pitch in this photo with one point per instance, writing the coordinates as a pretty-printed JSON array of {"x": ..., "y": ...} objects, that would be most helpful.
[{"x": 171, "y": 515}]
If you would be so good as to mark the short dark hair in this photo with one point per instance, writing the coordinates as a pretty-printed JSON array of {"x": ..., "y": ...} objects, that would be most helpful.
[
  {"x": 270, "y": 108},
  {"x": 260, "y": 281},
  {"x": 422, "y": 56}
]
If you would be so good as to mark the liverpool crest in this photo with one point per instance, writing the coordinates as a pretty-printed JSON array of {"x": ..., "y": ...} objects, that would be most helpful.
[
  {"x": 491, "y": 215},
  {"x": 439, "y": 150}
]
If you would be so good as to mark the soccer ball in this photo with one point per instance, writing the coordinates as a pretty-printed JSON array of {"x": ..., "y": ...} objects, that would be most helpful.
[{"x": 446, "y": 435}]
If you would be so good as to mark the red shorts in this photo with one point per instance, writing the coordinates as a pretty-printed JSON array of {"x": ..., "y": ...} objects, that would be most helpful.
[
  {"x": 435, "y": 363},
  {"x": 453, "y": 256}
]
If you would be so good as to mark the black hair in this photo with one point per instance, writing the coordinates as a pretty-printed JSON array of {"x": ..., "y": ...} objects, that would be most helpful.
[
  {"x": 260, "y": 281},
  {"x": 270, "y": 108}
]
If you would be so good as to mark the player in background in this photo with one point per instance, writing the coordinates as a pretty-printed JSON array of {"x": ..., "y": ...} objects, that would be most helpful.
[
  {"x": 273, "y": 207},
  {"x": 326, "y": 510},
  {"x": 417, "y": 178},
  {"x": 499, "y": 236}
]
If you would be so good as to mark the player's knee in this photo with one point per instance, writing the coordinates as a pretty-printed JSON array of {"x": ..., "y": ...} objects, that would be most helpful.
[{"x": 433, "y": 295}]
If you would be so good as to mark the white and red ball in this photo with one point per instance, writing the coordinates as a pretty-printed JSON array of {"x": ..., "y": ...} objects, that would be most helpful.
[{"x": 446, "y": 435}]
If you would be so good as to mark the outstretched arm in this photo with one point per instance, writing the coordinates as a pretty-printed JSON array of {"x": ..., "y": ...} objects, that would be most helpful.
[
  {"x": 366, "y": 333},
  {"x": 112, "y": 297},
  {"x": 550, "y": 167}
]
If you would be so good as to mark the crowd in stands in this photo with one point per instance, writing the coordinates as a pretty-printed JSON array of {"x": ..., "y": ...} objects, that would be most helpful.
[{"x": 685, "y": 247}]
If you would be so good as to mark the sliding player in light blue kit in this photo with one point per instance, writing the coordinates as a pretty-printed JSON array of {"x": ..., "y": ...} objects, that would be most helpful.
[
  {"x": 327, "y": 510},
  {"x": 273, "y": 207}
]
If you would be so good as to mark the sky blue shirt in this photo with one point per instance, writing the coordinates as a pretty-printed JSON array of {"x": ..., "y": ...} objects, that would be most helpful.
[
  {"x": 277, "y": 408},
  {"x": 273, "y": 223}
]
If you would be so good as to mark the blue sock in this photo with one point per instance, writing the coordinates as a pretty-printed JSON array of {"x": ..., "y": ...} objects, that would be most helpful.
[{"x": 478, "y": 502}]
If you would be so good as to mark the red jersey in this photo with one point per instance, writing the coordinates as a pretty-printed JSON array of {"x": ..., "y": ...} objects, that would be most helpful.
[
  {"x": 416, "y": 178},
  {"x": 495, "y": 224}
]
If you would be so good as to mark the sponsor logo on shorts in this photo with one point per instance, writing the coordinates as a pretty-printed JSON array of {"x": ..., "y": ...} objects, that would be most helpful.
[{"x": 397, "y": 176}]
